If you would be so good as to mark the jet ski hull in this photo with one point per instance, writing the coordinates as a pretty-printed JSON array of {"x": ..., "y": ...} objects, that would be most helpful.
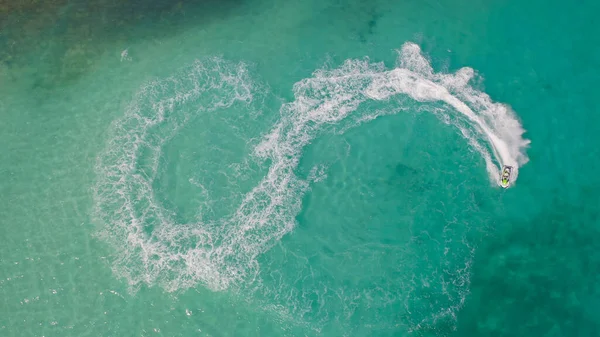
[{"x": 505, "y": 176}]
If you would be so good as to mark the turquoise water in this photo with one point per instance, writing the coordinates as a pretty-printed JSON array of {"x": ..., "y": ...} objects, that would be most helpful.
[{"x": 300, "y": 168}]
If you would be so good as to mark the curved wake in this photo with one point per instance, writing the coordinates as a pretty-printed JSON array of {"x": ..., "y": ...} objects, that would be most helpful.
[{"x": 153, "y": 248}]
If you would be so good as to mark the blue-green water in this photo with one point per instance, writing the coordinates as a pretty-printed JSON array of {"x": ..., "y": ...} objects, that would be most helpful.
[{"x": 299, "y": 168}]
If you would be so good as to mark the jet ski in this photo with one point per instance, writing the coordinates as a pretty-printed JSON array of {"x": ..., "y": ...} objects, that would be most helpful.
[{"x": 505, "y": 176}]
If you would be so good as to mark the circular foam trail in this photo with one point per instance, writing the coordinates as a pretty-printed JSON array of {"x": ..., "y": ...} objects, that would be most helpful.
[
  {"x": 150, "y": 246},
  {"x": 153, "y": 249}
]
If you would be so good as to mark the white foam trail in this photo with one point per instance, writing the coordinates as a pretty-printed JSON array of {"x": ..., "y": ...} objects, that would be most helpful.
[
  {"x": 150, "y": 246},
  {"x": 153, "y": 249},
  {"x": 426, "y": 86}
]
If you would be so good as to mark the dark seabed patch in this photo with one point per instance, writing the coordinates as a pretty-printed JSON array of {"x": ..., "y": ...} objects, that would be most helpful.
[
  {"x": 65, "y": 39},
  {"x": 536, "y": 278}
]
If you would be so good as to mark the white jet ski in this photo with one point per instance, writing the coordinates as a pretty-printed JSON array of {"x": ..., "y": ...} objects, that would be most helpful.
[{"x": 505, "y": 176}]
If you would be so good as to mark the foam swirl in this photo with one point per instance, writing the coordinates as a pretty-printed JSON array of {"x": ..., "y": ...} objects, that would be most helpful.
[{"x": 152, "y": 248}]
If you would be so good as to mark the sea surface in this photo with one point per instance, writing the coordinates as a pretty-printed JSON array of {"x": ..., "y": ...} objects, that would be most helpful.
[{"x": 299, "y": 168}]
